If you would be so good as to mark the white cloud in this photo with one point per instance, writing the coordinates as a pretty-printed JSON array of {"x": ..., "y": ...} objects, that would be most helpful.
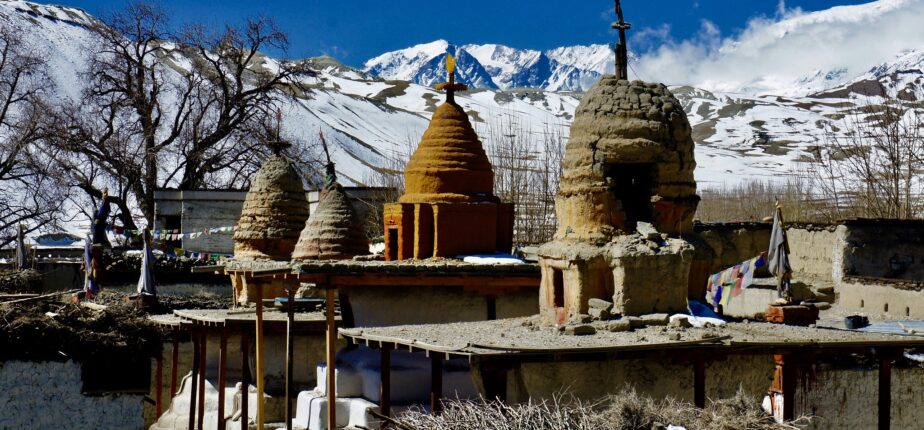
[{"x": 775, "y": 54}]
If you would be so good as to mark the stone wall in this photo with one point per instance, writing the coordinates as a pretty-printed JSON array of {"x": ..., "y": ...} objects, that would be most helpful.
[
  {"x": 884, "y": 249},
  {"x": 837, "y": 398},
  {"x": 48, "y": 395},
  {"x": 397, "y": 305}
]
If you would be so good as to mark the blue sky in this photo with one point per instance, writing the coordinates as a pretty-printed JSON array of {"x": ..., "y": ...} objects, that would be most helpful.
[{"x": 356, "y": 30}]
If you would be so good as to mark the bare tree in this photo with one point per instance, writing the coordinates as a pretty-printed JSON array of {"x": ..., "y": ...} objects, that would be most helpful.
[
  {"x": 872, "y": 164},
  {"x": 27, "y": 194},
  {"x": 157, "y": 113}
]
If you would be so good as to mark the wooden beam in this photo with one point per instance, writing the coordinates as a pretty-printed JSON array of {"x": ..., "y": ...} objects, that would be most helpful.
[
  {"x": 290, "y": 345},
  {"x": 159, "y": 387},
  {"x": 436, "y": 383},
  {"x": 245, "y": 380},
  {"x": 259, "y": 365},
  {"x": 174, "y": 358},
  {"x": 204, "y": 341},
  {"x": 699, "y": 380},
  {"x": 222, "y": 376},
  {"x": 331, "y": 362},
  {"x": 192, "y": 381},
  {"x": 885, "y": 387},
  {"x": 385, "y": 384}
]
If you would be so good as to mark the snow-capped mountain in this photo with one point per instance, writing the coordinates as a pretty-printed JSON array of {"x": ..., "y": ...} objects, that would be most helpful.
[
  {"x": 372, "y": 116},
  {"x": 572, "y": 68},
  {"x": 424, "y": 64}
]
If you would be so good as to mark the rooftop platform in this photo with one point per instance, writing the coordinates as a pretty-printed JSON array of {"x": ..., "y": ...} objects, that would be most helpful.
[
  {"x": 273, "y": 320},
  {"x": 521, "y": 340}
]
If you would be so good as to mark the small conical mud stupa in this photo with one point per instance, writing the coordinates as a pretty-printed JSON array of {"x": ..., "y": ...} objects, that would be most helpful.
[
  {"x": 274, "y": 212},
  {"x": 334, "y": 231},
  {"x": 449, "y": 207},
  {"x": 627, "y": 193}
]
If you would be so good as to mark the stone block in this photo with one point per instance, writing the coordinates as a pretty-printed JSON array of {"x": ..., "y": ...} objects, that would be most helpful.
[
  {"x": 580, "y": 330},
  {"x": 618, "y": 325},
  {"x": 655, "y": 319},
  {"x": 599, "y": 314},
  {"x": 600, "y": 304}
]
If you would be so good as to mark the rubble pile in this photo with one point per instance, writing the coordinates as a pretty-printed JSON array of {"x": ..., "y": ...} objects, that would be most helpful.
[
  {"x": 51, "y": 331},
  {"x": 26, "y": 281}
]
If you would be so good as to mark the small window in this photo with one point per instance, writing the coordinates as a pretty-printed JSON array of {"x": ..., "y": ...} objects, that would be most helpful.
[
  {"x": 558, "y": 283},
  {"x": 885, "y": 308},
  {"x": 861, "y": 303}
]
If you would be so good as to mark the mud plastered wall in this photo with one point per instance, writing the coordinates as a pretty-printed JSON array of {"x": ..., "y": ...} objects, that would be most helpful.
[
  {"x": 846, "y": 399},
  {"x": 48, "y": 395},
  {"x": 884, "y": 249}
]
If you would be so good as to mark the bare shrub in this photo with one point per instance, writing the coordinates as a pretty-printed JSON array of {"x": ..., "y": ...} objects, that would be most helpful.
[{"x": 625, "y": 411}]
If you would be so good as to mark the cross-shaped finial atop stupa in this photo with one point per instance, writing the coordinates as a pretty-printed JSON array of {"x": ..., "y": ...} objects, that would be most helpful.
[
  {"x": 277, "y": 144},
  {"x": 622, "y": 53},
  {"x": 451, "y": 87}
]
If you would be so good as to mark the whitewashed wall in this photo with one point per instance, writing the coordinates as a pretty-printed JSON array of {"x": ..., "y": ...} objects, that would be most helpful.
[{"x": 47, "y": 395}]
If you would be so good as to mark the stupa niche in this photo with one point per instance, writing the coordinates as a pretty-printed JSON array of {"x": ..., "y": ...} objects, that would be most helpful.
[
  {"x": 449, "y": 207},
  {"x": 273, "y": 214},
  {"x": 627, "y": 192}
]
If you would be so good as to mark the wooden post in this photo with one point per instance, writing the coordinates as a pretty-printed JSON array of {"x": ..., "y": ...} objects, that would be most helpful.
[
  {"x": 159, "y": 387},
  {"x": 784, "y": 383},
  {"x": 245, "y": 380},
  {"x": 331, "y": 361},
  {"x": 385, "y": 383},
  {"x": 194, "y": 337},
  {"x": 174, "y": 358},
  {"x": 885, "y": 388},
  {"x": 290, "y": 376},
  {"x": 259, "y": 364},
  {"x": 222, "y": 376},
  {"x": 699, "y": 380},
  {"x": 436, "y": 383},
  {"x": 204, "y": 340},
  {"x": 494, "y": 379}
]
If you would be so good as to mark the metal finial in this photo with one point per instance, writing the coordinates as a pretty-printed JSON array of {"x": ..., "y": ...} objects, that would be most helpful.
[{"x": 622, "y": 53}]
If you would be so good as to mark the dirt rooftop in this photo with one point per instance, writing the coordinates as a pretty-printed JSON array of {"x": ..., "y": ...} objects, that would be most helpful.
[{"x": 515, "y": 335}]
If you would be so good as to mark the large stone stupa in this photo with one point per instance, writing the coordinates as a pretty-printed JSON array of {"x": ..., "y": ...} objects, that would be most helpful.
[
  {"x": 449, "y": 207},
  {"x": 273, "y": 214},
  {"x": 334, "y": 231},
  {"x": 627, "y": 193}
]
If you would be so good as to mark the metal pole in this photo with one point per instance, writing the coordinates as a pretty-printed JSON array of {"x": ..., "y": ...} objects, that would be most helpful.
[{"x": 331, "y": 362}]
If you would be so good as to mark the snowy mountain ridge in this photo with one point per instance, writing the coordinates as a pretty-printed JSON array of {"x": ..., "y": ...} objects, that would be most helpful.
[{"x": 494, "y": 66}]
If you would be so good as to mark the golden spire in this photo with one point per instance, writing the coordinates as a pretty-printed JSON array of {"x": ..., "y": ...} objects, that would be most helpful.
[{"x": 451, "y": 87}]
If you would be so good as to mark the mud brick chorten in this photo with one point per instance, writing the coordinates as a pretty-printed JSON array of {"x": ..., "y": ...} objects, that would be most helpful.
[
  {"x": 449, "y": 207},
  {"x": 628, "y": 167},
  {"x": 273, "y": 214},
  {"x": 334, "y": 231}
]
